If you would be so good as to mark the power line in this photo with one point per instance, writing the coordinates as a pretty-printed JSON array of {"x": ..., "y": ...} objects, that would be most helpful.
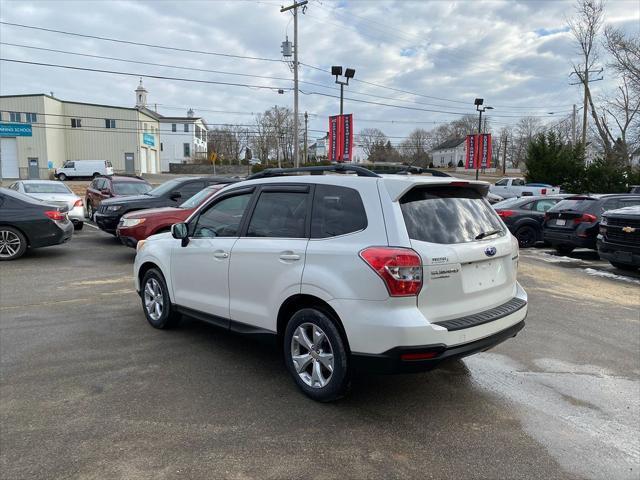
[
  {"x": 144, "y": 75},
  {"x": 129, "y": 42}
]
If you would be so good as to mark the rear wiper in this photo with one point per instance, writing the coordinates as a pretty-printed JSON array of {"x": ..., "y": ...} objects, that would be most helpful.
[{"x": 482, "y": 235}]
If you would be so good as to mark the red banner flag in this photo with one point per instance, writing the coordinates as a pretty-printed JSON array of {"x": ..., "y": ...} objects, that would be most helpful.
[
  {"x": 340, "y": 138},
  {"x": 470, "y": 161},
  {"x": 484, "y": 150}
]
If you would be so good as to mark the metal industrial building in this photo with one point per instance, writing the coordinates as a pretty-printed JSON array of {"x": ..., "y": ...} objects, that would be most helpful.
[{"x": 40, "y": 132}]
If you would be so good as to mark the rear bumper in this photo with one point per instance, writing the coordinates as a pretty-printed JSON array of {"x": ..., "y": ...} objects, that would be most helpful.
[
  {"x": 556, "y": 237},
  {"x": 391, "y": 361},
  {"x": 77, "y": 215}
]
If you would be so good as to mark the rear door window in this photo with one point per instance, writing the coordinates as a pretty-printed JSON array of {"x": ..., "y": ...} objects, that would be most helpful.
[
  {"x": 336, "y": 211},
  {"x": 544, "y": 205},
  {"x": 279, "y": 214},
  {"x": 445, "y": 214}
]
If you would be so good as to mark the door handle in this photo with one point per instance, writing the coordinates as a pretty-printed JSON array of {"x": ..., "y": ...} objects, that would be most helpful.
[
  {"x": 220, "y": 254},
  {"x": 289, "y": 256}
]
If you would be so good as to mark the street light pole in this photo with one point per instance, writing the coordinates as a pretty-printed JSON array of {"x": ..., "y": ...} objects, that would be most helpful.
[
  {"x": 341, "y": 97},
  {"x": 348, "y": 73},
  {"x": 478, "y": 103}
]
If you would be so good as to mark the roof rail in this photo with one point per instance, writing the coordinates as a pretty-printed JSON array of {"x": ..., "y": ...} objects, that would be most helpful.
[{"x": 315, "y": 170}]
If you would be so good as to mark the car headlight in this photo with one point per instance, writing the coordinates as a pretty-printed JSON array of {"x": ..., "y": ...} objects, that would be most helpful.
[
  {"x": 131, "y": 222},
  {"x": 114, "y": 208},
  {"x": 140, "y": 245}
]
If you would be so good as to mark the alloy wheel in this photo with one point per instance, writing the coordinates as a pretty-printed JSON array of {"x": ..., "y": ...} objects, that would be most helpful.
[
  {"x": 312, "y": 355},
  {"x": 153, "y": 299},
  {"x": 9, "y": 244}
]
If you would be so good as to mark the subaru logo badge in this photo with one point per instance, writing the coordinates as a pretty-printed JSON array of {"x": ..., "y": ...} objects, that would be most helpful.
[{"x": 490, "y": 251}]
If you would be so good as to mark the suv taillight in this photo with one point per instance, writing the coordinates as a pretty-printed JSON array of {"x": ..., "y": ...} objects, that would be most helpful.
[
  {"x": 55, "y": 215},
  {"x": 79, "y": 203},
  {"x": 586, "y": 218},
  {"x": 399, "y": 268}
]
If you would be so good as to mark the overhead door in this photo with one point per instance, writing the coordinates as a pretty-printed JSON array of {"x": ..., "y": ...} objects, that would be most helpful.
[
  {"x": 143, "y": 160},
  {"x": 9, "y": 158},
  {"x": 153, "y": 161}
]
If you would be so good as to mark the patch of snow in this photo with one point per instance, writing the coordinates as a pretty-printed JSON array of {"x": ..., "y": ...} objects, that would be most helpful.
[{"x": 613, "y": 276}]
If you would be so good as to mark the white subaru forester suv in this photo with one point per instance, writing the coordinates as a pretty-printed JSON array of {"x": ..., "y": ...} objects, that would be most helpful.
[{"x": 345, "y": 272}]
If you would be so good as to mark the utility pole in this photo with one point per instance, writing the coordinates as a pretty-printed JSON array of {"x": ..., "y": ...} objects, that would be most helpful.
[
  {"x": 584, "y": 78},
  {"x": 296, "y": 142},
  {"x": 306, "y": 131},
  {"x": 504, "y": 156},
  {"x": 573, "y": 126}
]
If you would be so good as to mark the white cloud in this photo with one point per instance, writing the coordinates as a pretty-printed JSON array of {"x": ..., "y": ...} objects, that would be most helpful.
[{"x": 511, "y": 53}]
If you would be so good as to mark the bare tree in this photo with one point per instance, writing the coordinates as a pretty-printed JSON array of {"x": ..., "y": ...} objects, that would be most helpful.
[
  {"x": 416, "y": 146},
  {"x": 625, "y": 51},
  {"x": 371, "y": 139},
  {"x": 585, "y": 27},
  {"x": 525, "y": 131}
]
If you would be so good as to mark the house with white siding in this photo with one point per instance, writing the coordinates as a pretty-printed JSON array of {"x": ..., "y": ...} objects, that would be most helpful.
[{"x": 449, "y": 152}]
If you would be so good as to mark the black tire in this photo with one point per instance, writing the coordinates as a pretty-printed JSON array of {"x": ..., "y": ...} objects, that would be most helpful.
[
  {"x": 564, "y": 249},
  {"x": 89, "y": 211},
  {"x": 168, "y": 317},
  {"x": 624, "y": 266},
  {"x": 337, "y": 379},
  {"x": 62, "y": 177},
  {"x": 78, "y": 226},
  {"x": 13, "y": 243},
  {"x": 527, "y": 236}
]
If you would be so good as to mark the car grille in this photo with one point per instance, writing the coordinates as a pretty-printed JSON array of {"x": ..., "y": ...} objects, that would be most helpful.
[
  {"x": 487, "y": 316},
  {"x": 622, "y": 222},
  {"x": 615, "y": 235},
  {"x": 102, "y": 209}
]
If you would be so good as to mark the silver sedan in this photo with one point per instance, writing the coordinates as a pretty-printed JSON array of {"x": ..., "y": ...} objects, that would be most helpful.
[{"x": 55, "y": 193}]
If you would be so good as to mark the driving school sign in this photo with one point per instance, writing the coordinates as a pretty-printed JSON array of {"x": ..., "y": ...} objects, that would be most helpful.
[
  {"x": 340, "y": 138},
  {"x": 15, "y": 130}
]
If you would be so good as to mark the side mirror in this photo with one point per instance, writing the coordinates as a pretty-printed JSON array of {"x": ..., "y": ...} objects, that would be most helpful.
[
  {"x": 105, "y": 191},
  {"x": 175, "y": 195},
  {"x": 180, "y": 231}
]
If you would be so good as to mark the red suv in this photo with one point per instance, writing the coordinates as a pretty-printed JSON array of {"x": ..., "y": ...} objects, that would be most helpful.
[
  {"x": 113, "y": 186},
  {"x": 138, "y": 225}
]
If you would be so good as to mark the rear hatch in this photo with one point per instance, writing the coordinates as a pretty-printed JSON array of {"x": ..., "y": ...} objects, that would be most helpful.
[
  {"x": 563, "y": 216},
  {"x": 468, "y": 256}
]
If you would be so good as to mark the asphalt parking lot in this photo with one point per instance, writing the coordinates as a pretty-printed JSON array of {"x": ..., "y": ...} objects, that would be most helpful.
[{"x": 90, "y": 391}]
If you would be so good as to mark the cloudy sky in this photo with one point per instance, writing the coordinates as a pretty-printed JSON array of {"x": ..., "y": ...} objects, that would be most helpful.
[{"x": 428, "y": 59}]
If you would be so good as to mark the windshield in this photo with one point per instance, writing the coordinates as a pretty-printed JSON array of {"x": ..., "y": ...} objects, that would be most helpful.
[
  {"x": 165, "y": 187},
  {"x": 445, "y": 214},
  {"x": 201, "y": 196},
  {"x": 52, "y": 187},
  {"x": 130, "y": 188}
]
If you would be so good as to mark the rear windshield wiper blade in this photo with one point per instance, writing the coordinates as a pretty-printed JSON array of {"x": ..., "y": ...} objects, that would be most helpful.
[{"x": 482, "y": 235}]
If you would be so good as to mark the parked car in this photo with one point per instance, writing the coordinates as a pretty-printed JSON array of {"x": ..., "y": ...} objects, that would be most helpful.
[
  {"x": 574, "y": 222},
  {"x": 634, "y": 189},
  {"x": 140, "y": 224},
  {"x": 344, "y": 272},
  {"x": 619, "y": 237},
  {"x": 54, "y": 193},
  {"x": 26, "y": 222},
  {"x": 113, "y": 186},
  {"x": 509, "y": 187},
  {"x": 169, "y": 194},
  {"x": 524, "y": 216},
  {"x": 492, "y": 198},
  {"x": 83, "y": 168}
]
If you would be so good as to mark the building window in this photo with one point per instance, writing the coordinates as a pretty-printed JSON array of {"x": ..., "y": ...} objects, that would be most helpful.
[
  {"x": 173, "y": 127},
  {"x": 187, "y": 149},
  {"x": 186, "y": 127},
  {"x": 144, "y": 127},
  {"x": 31, "y": 117},
  {"x": 109, "y": 123},
  {"x": 161, "y": 147},
  {"x": 76, "y": 123},
  {"x": 15, "y": 116}
]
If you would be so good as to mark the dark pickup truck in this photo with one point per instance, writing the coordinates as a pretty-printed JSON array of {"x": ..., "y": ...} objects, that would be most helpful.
[{"x": 619, "y": 237}]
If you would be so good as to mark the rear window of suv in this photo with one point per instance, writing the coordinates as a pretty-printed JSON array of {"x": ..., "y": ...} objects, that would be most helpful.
[
  {"x": 576, "y": 204},
  {"x": 445, "y": 214}
]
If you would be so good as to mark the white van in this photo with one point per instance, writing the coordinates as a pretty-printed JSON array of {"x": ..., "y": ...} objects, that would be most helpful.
[{"x": 84, "y": 168}]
